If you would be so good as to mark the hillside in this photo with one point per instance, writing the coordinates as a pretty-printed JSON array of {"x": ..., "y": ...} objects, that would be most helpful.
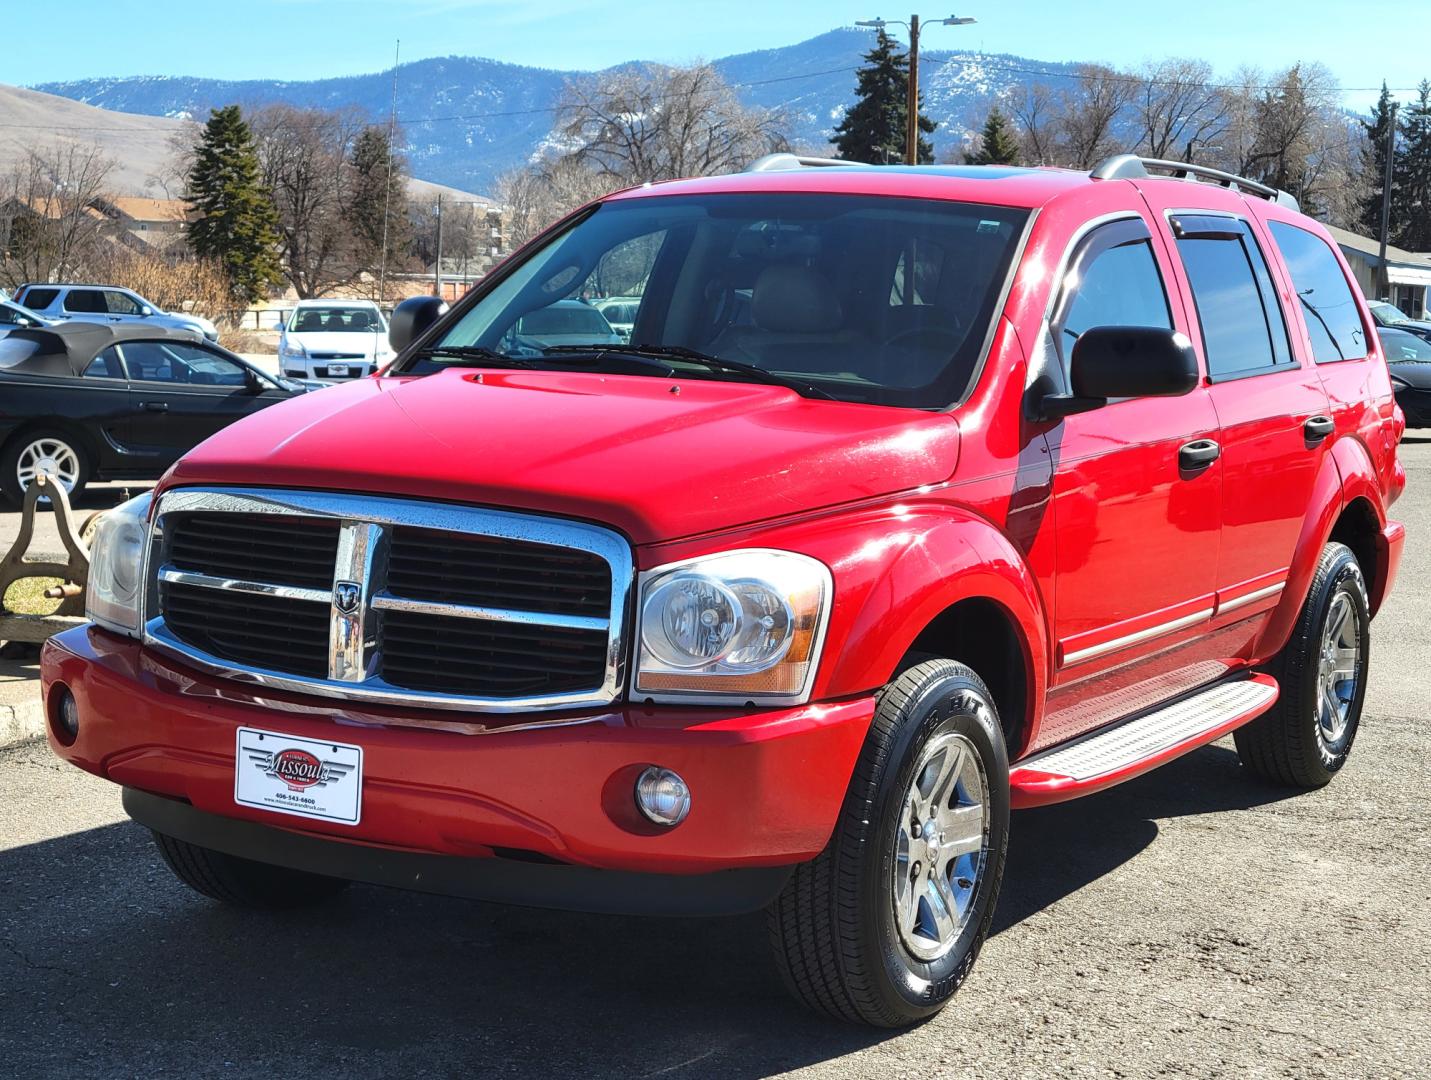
[
  {"x": 140, "y": 146},
  {"x": 468, "y": 119}
]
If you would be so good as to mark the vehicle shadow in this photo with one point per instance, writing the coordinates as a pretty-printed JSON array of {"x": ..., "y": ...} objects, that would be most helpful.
[{"x": 108, "y": 966}]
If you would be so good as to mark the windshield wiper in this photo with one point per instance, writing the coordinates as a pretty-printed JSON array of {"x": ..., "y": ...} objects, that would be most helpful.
[
  {"x": 711, "y": 363},
  {"x": 480, "y": 353}
]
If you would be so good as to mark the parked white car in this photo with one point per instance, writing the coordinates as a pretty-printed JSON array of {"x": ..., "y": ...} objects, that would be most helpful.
[
  {"x": 15, "y": 317},
  {"x": 332, "y": 340}
]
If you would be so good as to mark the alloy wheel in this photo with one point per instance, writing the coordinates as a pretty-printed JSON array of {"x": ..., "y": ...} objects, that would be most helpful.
[
  {"x": 1339, "y": 669},
  {"x": 51, "y": 457},
  {"x": 941, "y": 846}
]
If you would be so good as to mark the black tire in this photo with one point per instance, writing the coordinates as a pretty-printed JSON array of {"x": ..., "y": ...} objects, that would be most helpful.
[
  {"x": 1288, "y": 744},
  {"x": 10, "y": 462},
  {"x": 243, "y": 882},
  {"x": 833, "y": 928}
]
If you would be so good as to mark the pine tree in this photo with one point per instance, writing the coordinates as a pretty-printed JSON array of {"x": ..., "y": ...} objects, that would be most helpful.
[
  {"x": 234, "y": 219},
  {"x": 1411, "y": 208},
  {"x": 378, "y": 194},
  {"x": 998, "y": 145},
  {"x": 1374, "y": 165},
  {"x": 874, "y": 126}
]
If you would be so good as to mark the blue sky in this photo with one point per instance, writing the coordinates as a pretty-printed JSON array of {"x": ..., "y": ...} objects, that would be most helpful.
[{"x": 302, "y": 39}]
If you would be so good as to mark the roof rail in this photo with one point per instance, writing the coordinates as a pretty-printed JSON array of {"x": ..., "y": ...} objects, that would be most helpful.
[
  {"x": 781, "y": 162},
  {"x": 1132, "y": 167}
]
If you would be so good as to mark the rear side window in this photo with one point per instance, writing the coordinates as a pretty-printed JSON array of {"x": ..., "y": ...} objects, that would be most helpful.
[
  {"x": 1243, "y": 330},
  {"x": 105, "y": 366},
  {"x": 39, "y": 299},
  {"x": 1328, "y": 306},
  {"x": 86, "y": 302}
]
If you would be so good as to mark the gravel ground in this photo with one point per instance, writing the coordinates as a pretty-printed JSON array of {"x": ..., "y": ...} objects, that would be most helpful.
[{"x": 1192, "y": 923}]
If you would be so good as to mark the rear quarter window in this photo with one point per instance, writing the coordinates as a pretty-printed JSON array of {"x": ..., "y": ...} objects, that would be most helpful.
[
  {"x": 1328, "y": 306},
  {"x": 38, "y": 299}
]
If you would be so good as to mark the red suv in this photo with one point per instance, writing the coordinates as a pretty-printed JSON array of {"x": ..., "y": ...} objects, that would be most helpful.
[{"x": 917, "y": 495}]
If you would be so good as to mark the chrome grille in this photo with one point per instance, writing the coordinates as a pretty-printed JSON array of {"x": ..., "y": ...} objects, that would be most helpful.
[{"x": 404, "y": 602}]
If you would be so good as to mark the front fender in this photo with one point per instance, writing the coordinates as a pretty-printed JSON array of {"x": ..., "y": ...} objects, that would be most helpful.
[{"x": 896, "y": 568}]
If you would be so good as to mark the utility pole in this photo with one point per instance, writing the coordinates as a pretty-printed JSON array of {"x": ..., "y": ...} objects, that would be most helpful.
[
  {"x": 1384, "y": 293},
  {"x": 911, "y": 107},
  {"x": 388, "y": 190},
  {"x": 437, "y": 266}
]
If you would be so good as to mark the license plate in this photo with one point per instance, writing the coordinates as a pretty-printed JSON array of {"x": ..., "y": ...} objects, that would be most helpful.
[
  {"x": 338, "y": 370},
  {"x": 303, "y": 777}
]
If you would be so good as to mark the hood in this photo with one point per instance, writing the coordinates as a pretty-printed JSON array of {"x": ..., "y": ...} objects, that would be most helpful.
[
  {"x": 1414, "y": 373},
  {"x": 654, "y": 458},
  {"x": 320, "y": 341}
]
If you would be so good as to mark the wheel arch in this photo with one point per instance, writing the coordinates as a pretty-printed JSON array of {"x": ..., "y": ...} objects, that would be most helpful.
[{"x": 26, "y": 428}]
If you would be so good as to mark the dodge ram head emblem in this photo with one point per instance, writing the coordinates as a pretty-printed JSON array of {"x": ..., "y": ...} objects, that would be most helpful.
[{"x": 345, "y": 597}]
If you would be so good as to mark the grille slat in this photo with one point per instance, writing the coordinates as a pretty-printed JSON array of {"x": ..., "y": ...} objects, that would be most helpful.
[{"x": 427, "y": 654}]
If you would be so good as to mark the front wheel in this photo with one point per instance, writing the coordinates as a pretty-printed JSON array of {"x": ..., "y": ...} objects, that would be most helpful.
[
  {"x": 50, "y": 452},
  {"x": 243, "y": 882},
  {"x": 885, "y": 925}
]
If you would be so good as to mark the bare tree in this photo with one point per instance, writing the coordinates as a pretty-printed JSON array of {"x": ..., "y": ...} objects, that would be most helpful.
[
  {"x": 50, "y": 226},
  {"x": 649, "y": 123},
  {"x": 1089, "y": 112},
  {"x": 539, "y": 195},
  {"x": 304, "y": 155},
  {"x": 1033, "y": 109},
  {"x": 1178, "y": 108}
]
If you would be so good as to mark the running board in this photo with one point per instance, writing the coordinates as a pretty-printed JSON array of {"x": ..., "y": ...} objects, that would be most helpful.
[{"x": 1136, "y": 745}]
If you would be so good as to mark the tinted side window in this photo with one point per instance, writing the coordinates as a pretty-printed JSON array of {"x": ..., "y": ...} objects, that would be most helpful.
[
  {"x": 105, "y": 366},
  {"x": 39, "y": 299},
  {"x": 1328, "y": 307},
  {"x": 86, "y": 301},
  {"x": 1120, "y": 287},
  {"x": 118, "y": 303},
  {"x": 1243, "y": 330}
]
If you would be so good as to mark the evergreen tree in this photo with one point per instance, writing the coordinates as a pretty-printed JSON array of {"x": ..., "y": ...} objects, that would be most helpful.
[
  {"x": 235, "y": 222},
  {"x": 998, "y": 145},
  {"x": 378, "y": 195},
  {"x": 1412, "y": 193},
  {"x": 1374, "y": 166},
  {"x": 874, "y": 126}
]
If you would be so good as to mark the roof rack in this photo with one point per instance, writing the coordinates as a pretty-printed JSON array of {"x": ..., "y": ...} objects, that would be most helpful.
[
  {"x": 1132, "y": 167},
  {"x": 782, "y": 162}
]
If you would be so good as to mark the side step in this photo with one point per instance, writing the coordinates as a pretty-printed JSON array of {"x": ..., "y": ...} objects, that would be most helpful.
[{"x": 1134, "y": 746}]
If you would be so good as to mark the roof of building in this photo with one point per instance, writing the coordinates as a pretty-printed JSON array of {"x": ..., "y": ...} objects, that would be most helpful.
[
  {"x": 1367, "y": 246},
  {"x": 169, "y": 211}
]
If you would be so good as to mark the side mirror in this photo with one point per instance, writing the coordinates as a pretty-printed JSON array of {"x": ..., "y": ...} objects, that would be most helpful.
[
  {"x": 146, "y": 311},
  {"x": 412, "y": 318},
  {"x": 253, "y": 381},
  {"x": 1125, "y": 362}
]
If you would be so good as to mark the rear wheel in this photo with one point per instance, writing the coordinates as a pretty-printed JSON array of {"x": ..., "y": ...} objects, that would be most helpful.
[
  {"x": 243, "y": 882},
  {"x": 1306, "y": 738},
  {"x": 50, "y": 452},
  {"x": 885, "y": 925}
]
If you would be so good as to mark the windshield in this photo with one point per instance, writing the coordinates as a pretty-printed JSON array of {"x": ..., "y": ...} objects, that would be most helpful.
[
  {"x": 1389, "y": 314},
  {"x": 1401, "y": 346},
  {"x": 335, "y": 320},
  {"x": 861, "y": 298},
  {"x": 564, "y": 319}
]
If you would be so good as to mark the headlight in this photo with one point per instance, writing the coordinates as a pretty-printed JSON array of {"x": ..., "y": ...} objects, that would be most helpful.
[
  {"x": 292, "y": 348},
  {"x": 114, "y": 596},
  {"x": 746, "y": 624}
]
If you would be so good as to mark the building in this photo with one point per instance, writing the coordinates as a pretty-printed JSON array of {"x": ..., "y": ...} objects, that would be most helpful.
[{"x": 1409, "y": 273}]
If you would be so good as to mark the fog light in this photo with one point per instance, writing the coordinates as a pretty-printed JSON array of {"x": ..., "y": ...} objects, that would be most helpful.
[
  {"x": 69, "y": 715},
  {"x": 662, "y": 796}
]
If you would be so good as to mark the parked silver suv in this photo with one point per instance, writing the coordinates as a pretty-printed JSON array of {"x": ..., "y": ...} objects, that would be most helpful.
[{"x": 107, "y": 304}]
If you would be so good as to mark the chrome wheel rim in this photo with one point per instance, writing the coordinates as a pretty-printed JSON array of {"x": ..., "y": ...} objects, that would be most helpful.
[
  {"x": 941, "y": 846},
  {"x": 49, "y": 457},
  {"x": 1339, "y": 669}
]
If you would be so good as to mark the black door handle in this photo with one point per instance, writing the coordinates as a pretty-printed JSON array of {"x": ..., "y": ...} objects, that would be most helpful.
[
  {"x": 1198, "y": 455},
  {"x": 1318, "y": 428},
  {"x": 155, "y": 406}
]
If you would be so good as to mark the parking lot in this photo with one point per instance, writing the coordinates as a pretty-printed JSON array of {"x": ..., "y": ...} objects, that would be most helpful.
[{"x": 1192, "y": 923}]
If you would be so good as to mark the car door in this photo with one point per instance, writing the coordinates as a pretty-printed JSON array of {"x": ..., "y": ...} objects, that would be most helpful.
[
  {"x": 1271, "y": 407},
  {"x": 182, "y": 392},
  {"x": 1137, "y": 511},
  {"x": 122, "y": 308},
  {"x": 84, "y": 305}
]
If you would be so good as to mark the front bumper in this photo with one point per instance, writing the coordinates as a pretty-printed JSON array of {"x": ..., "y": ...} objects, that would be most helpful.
[
  {"x": 766, "y": 785},
  {"x": 1416, "y": 404}
]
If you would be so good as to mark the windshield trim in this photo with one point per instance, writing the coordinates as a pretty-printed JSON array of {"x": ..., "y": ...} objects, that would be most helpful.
[{"x": 415, "y": 349}]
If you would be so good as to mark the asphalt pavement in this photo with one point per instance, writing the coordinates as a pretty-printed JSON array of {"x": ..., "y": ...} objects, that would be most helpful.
[{"x": 1192, "y": 923}]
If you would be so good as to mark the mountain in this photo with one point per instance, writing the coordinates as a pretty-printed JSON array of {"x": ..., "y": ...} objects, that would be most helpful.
[
  {"x": 141, "y": 147},
  {"x": 467, "y": 119}
]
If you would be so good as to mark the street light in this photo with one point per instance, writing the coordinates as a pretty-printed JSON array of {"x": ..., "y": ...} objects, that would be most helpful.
[{"x": 911, "y": 110}]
